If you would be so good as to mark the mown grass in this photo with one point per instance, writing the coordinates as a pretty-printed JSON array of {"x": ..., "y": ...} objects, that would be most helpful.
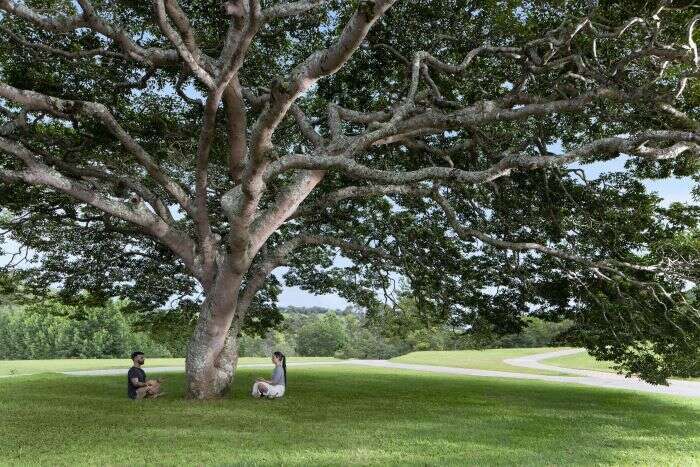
[
  {"x": 584, "y": 361},
  {"x": 343, "y": 415},
  {"x": 488, "y": 359},
  {"x": 581, "y": 361},
  {"x": 21, "y": 367}
]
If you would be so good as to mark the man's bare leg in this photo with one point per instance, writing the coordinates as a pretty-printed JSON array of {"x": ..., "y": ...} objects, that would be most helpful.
[
  {"x": 153, "y": 389},
  {"x": 141, "y": 393}
]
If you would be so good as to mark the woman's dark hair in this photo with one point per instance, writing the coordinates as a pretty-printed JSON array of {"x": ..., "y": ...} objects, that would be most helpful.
[{"x": 280, "y": 356}]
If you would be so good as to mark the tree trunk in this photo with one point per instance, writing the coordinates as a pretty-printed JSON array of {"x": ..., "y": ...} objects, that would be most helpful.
[{"x": 212, "y": 354}]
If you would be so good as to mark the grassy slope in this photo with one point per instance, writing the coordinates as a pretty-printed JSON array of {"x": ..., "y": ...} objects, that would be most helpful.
[
  {"x": 489, "y": 359},
  {"x": 8, "y": 367},
  {"x": 582, "y": 361},
  {"x": 361, "y": 416}
]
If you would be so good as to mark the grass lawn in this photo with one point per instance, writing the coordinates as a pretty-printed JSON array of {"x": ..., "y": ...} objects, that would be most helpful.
[
  {"x": 581, "y": 361},
  {"x": 345, "y": 415},
  {"x": 489, "y": 359},
  {"x": 9, "y": 367}
]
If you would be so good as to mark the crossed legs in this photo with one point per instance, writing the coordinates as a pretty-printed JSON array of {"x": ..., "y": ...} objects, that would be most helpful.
[
  {"x": 259, "y": 389},
  {"x": 149, "y": 392}
]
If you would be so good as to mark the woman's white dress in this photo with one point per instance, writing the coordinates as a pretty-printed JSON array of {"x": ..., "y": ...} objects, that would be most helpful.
[
  {"x": 273, "y": 390},
  {"x": 276, "y": 389}
]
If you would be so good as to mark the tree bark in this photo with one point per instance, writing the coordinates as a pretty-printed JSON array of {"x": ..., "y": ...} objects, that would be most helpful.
[{"x": 212, "y": 354}]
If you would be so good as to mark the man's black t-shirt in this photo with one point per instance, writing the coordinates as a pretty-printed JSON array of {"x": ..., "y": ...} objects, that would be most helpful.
[{"x": 137, "y": 373}]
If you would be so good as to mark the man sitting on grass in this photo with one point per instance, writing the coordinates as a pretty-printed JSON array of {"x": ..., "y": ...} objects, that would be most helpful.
[{"x": 137, "y": 386}]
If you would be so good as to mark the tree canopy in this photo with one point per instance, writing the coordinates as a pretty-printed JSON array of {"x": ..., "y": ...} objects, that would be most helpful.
[{"x": 186, "y": 149}]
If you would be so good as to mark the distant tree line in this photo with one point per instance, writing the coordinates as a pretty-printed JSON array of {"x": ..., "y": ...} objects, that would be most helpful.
[
  {"x": 352, "y": 334},
  {"x": 52, "y": 330}
]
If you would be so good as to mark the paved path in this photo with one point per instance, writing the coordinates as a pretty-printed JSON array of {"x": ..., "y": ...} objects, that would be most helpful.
[
  {"x": 583, "y": 377},
  {"x": 16, "y": 374},
  {"x": 606, "y": 379}
]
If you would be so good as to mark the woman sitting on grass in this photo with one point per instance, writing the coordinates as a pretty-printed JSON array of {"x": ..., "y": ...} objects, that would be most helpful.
[{"x": 273, "y": 387}]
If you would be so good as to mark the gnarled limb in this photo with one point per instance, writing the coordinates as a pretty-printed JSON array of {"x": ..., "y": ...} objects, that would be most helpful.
[
  {"x": 286, "y": 9},
  {"x": 38, "y": 173},
  {"x": 193, "y": 61},
  {"x": 236, "y": 124},
  {"x": 283, "y": 94},
  {"x": 685, "y": 141},
  {"x": 62, "y": 108}
]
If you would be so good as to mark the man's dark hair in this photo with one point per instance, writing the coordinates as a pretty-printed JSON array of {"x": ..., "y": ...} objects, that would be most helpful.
[{"x": 135, "y": 354}]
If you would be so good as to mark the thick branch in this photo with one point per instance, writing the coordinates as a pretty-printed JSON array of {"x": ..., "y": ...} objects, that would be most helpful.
[
  {"x": 59, "y": 23},
  {"x": 40, "y": 174},
  {"x": 236, "y": 124},
  {"x": 685, "y": 141},
  {"x": 299, "y": 7},
  {"x": 61, "y": 107},
  {"x": 93, "y": 173},
  {"x": 283, "y": 94},
  {"x": 193, "y": 61},
  {"x": 152, "y": 56}
]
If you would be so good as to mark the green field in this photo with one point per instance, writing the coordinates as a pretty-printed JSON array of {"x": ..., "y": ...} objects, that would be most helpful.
[
  {"x": 345, "y": 415},
  {"x": 581, "y": 361},
  {"x": 489, "y": 359},
  {"x": 21, "y": 367}
]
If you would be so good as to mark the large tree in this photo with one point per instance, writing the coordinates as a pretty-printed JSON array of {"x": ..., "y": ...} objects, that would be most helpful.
[{"x": 153, "y": 149}]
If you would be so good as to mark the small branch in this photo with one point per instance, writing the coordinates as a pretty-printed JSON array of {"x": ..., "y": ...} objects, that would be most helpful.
[
  {"x": 279, "y": 256},
  {"x": 306, "y": 127},
  {"x": 353, "y": 192},
  {"x": 595, "y": 266},
  {"x": 55, "y": 51}
]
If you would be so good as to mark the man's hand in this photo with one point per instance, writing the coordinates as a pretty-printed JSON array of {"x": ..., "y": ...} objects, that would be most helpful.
[{"x": 137, "y": 383}]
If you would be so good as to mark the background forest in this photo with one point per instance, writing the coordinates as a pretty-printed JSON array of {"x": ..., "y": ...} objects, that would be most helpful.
[{"x": 48, "y": 330}]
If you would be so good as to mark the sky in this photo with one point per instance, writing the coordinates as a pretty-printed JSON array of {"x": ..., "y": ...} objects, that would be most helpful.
[{"x": 294, "y": 296}]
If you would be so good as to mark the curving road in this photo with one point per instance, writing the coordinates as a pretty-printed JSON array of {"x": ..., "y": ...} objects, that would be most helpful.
[
  {"x": 605, "y": 379},
  {"x": 584, "y": 377}
]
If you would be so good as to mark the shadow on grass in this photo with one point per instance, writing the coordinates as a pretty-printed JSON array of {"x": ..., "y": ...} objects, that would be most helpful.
[{"x": 343, "y": 415}]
